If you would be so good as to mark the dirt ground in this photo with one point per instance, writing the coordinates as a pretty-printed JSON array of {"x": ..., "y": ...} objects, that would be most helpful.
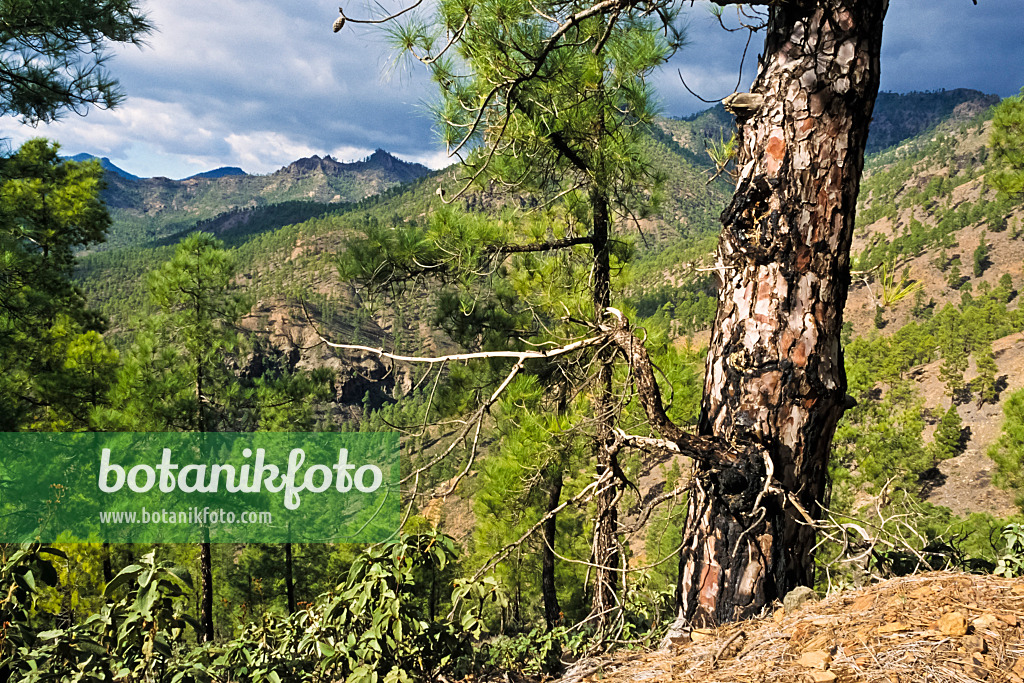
[{"x": 938, "y": 627}]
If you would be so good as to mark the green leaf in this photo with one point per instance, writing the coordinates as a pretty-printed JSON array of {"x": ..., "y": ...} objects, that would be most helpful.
[{"x": 123, "y": 577}]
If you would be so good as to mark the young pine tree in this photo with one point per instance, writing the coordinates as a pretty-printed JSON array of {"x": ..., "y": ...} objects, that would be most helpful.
[
  {"x": 1008, "y": 450},
  {"x": 947, "y": 442},
  {"x": 186, "y": 370},
  {"x": 54, "y": 365},
  {"x": 985, "y": 382},
  {"x": 981, "y": 255},
  {"x": 1007, "y": 144}
]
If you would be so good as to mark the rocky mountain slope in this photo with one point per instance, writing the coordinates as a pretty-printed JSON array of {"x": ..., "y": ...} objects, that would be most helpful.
[{"x": 148, "y": 209}]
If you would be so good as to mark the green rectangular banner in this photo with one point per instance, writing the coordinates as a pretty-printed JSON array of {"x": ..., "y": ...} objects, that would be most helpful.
[{"x": 178, "y": 487}]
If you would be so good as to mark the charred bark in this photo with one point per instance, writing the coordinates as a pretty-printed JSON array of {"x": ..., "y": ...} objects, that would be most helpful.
[{"x": 775, "y": 367}]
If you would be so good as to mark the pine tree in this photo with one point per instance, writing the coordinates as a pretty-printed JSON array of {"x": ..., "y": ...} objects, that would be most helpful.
[
  {"x": 981, "y": 255},
  {"x": 1007, "y": 144},
  {"x": 569, "y": 132},
  {"x": 187, "y": 368},
  {"x": 955, "y": 280},
  {"x": 1005, "y": 288},
  {"x": 53, "y": 54},
  {"x": 952, "y": 338},
  {"x": 53, "y": 363},
  {"x": 948, "y": 439},
  {"x": 985, "y": 382},
  {"x": 1008, "y": 450}
]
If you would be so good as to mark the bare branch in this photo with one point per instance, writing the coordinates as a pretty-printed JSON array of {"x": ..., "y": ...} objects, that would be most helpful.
[{"x": 478, "y": 355}]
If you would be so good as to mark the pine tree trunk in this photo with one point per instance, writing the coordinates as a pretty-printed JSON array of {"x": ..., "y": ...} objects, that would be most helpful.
[
  {"x": 552, "y": 612},
  {"x": 108, "y": 567},
  {"x": 775, "y": 368},
  {"x": 206, "y": 588},
  {"x": 605, "y": 549},
  {"x": 289, "y": 580}
]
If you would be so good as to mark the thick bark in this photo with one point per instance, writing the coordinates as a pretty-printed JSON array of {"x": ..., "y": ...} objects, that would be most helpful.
[{"x": 775, "y": 368}]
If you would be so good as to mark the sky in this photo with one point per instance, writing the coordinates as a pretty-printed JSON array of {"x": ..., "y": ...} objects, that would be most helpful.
[{"x": 260, "y": 83}]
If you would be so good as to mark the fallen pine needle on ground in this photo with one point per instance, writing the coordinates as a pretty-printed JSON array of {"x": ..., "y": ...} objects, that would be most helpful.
[{"x": 927, "y": 628}]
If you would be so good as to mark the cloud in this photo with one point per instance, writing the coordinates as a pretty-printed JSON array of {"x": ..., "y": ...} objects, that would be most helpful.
[
  {"x": 258, "y": 83},
  {"x": 436, "y": 160}
]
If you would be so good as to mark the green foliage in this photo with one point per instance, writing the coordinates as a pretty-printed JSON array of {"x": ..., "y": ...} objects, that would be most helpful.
[
  {"x": 1007, "y": 144},
  {"x": 948, "y": 435},
  {"x": 176, "y": 377},
  {"x": 539, "y": 651},
  {"x": 894, "y": 291},
  {"x": 723, "y": 154},
  {"x": 53, "y": 364},
  {"x": 1008, "y": 450},
  {"x": 882, "y": 441},
  {"x": 1011, "y": 563},
  {"x": 881, "y": 436},
  {"x": 53, "y": 53},
  {"x": 132, "y": 637},
  {"x": 955, "y": 279},
  {"x": 375, "y": 626},
  {"x": 553, "y": 113},
  {"x": 381, "y": 623},
  {"x": 985, "y": 382},
  {"x": 981, "y": 255},
  {"x": 953, "y": 340},
  {"x": 190, "y": 346}
]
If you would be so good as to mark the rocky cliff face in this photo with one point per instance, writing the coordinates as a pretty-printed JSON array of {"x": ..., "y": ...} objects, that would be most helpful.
[{"x": 380, "y": 162}]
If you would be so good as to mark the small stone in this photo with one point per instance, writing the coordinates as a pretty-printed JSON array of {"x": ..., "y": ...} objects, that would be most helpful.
[
  {"x": 975, "y": 643},
  {"x": 894, "y": 627},
  {"x": 1010, "y": 619},
  {"x": 678, "y": 634},
  {"x": 702, "y": 634},
  {"x": 675, "y": 638},
  {"x": 796, "y": 598},
  {"x": 953, "y": 624},
  {"x": 817, "y": 659},
  {"x": 986, "y": 621},
  {"x": 821, "y": 676}
]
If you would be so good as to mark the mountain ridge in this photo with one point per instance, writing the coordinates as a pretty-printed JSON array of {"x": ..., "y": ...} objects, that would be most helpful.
[{"x": 150, "y": 209}]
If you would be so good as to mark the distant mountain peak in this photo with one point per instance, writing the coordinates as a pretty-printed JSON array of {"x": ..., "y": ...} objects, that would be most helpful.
[
  {"x": 106, "y": 163},
  {"x": 221, "y": 172},
  {"x": 380, "y": 160}
]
